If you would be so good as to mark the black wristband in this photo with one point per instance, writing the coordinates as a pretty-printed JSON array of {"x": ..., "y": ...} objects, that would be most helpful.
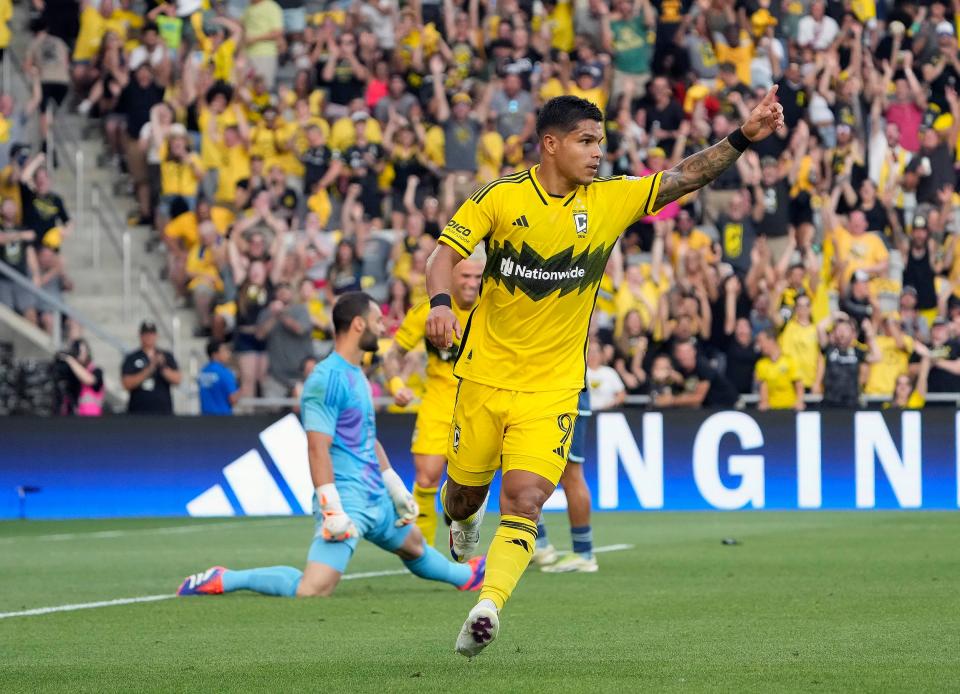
[
  {"x": 442, "y": 299},
  {"x": 738, "y": 140}
]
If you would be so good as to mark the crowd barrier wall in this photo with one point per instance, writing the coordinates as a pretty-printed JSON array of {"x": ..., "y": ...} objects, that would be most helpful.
[{"x": 636, "y": 460}]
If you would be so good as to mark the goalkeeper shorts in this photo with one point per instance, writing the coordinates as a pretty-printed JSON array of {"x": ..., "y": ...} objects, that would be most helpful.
[{"x": 375, "y": 522}]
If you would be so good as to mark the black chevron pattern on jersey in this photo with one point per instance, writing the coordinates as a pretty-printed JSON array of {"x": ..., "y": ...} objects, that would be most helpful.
[
  {"x": 538, "y": 277},
  {"x": 449, "y": 354}
]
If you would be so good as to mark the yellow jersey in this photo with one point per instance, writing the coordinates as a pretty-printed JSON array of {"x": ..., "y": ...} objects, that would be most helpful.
[
  {"x": 202, "y": 263},
  {"x": 234, "y": 166},
  {"x": 780, "y": 376},
  {"x": 179, "y": 177},
  {"x": 546, "y": 257},
  {"x": 860, "y": 252},
  {"x": 892, "y": 363},
  {"x": 212, "y": 151},
  {"x": 186, "y": 228},
  {"x": 6, "y": 14},
  {"x": 802, "y": 344},
  {"x": 412, "y": 334}
]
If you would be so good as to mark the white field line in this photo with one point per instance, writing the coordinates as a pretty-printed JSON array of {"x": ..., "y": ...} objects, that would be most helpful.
[
  {"x": 154, "y": 598},
  {"x": 84, "y": 606},
  {"x": 166, "y": 530}
]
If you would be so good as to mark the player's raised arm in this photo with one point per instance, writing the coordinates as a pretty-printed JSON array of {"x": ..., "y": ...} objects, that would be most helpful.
[{"x": 702, "y": 168}]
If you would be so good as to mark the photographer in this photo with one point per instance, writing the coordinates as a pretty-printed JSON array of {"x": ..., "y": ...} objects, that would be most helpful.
[
  {"x": 81, "y": 381},
  {"x": 148, "y": 374}
]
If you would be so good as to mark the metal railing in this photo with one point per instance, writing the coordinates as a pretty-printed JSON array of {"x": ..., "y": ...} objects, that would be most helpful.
[
  {"x": 866, "y": 401},
  {"x": 60, "y": 308},
  {"x": 746, "y": 401},
  {"x": 122, "y": 243}
]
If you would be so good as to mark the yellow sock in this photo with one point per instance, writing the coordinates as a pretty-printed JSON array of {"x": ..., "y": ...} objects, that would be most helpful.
[
  {"x": 510, "y": 552},
  {"x": 426, "y": 498}
]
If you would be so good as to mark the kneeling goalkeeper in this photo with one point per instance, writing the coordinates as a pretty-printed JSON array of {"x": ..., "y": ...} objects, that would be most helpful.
[{"x": 358, "y": 495}]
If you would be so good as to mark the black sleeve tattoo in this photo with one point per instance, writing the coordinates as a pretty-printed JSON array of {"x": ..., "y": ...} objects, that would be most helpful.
[{"x": 695, "y": 172}]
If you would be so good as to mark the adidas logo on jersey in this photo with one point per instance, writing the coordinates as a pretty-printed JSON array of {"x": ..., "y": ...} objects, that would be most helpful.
[
  {"x": 559, "y": 451},
  {"x": 521, "y": 221}
]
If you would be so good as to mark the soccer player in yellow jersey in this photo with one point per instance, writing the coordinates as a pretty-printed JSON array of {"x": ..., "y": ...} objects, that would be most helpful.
[
  {"x": 429, "y": 444},
  {"x": 548, "y": 232}
]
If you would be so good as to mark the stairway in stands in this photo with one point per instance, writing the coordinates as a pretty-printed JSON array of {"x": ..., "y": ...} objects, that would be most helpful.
[{"x": 97, "y": 199}]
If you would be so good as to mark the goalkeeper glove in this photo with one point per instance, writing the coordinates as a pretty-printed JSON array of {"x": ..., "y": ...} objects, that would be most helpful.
[
  {"x": 407, "y": 508},
  {"x": 337, "y": 525}
]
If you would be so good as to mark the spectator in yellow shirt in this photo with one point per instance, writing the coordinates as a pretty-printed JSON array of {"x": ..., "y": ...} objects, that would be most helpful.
[
  {"x": 856, "y": 248},
  {"x": 319, "y": 316},
  {"x": 800, "y": 342},
  {"x": 180, "y": 173},
  {"x": 736, "y": 49},
  {"x": 6, "y": 14},
  {"x": 203, "y": 273},
  {"x": 777, "y": 376},
  {"x": 905, "y": 395},
  {"x": 234, "y": 163},
  {"x": 589, "y": 81},
  {"x": 895, "y": 349},
  {"x": 685, "y": 238}
]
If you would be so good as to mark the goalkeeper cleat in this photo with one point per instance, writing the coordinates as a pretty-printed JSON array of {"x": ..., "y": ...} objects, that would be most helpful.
[
  {"x": 480, "y": 629},
  {"x": 544, "y": 556},
  {"x": 209, "y": 582},
  {"x": 573, "y": 563},
  {"x": 465, "y": 535},
  {"x": 479, "y": 566}
]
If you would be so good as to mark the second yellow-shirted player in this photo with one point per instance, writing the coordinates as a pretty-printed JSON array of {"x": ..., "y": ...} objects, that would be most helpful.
[
  {"x": 429, "y": 444},
  {"x": 548, "y": 232}
]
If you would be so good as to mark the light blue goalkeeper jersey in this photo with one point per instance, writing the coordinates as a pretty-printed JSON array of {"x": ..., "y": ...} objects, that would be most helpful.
[{"x": 336, "y": 401}]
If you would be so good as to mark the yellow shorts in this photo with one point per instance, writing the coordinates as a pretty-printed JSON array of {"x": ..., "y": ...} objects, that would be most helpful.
[
  {"x": 432, "y": 429},
  {"x": 520, "y": 431}
]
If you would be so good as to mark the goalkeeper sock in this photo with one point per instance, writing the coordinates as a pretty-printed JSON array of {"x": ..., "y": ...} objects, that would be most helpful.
[
  {"x": 433, "y": 566},
  {"x": 281, "y": 581},
  {"x": 582, "y": 541},
  {"x": 542, "y": 540},
  {"x": 426, "y": 498},
  {"x": 508, "y": 557}
]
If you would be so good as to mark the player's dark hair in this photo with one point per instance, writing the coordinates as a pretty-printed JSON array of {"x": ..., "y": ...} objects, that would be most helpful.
[
  {"x": 213, "y": 346},
  {"x": 562, "y": 113},
  {"x": 348, "y": 307}
]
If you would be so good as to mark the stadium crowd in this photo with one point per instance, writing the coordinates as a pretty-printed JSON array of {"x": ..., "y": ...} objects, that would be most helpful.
[{"x": 289, "y": 152}]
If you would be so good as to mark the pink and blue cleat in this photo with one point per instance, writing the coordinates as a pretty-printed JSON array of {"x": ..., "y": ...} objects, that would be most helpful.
[
  {"x": 209, "y": 582},
  {"x": 479, "y": 566}
]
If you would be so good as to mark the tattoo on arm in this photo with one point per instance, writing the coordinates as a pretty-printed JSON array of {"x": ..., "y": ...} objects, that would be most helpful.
[{"x": 695, "y": 172}]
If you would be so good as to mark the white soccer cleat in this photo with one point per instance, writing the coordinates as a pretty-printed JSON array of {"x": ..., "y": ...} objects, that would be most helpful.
[
  {"x": 480, "y": 629},
  {"x": 465, "y": 535},
  {"x": 573, "y": 563},
  {"x": 544, "y": 556}
]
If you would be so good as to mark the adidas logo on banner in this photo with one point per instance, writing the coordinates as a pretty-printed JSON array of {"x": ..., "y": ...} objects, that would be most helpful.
[
  {"x": 521, "y": 221},
  {"x": 252, "y": 483}
]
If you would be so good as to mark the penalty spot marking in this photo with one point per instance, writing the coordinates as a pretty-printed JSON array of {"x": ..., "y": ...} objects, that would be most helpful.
[{"x": 156, "y": 598}]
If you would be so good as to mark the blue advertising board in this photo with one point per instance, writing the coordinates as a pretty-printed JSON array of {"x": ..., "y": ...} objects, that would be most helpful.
[{"x": 679, "y": 460}]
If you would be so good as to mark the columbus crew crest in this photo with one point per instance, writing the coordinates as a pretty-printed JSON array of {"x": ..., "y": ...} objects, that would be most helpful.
[{"x": 580, "y": 223}]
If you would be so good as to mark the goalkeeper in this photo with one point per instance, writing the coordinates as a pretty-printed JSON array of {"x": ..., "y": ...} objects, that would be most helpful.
[{"x": 358, "y": 495}]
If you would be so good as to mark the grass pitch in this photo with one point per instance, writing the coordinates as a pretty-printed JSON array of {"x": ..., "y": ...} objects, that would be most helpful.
[{"x": 806, "y": 602}]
